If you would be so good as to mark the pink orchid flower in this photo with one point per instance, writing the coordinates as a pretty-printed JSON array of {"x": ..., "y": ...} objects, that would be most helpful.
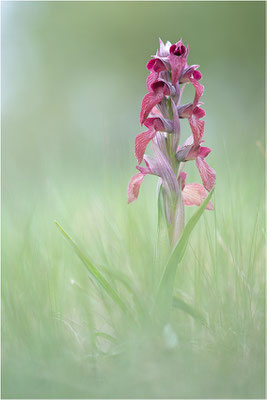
[
  {"x": 159, "y": 166},
  {"x": 193, "y": 193},
  {"x": 159, "y": 89},
  {"x": 190, "y": 73},
  {"x": 191, "y": 151},
  {"x": 178, "y": 57},
  {"x": 156, "y": 123}
]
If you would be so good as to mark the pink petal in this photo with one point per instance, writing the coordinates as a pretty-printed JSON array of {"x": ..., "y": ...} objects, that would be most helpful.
[
  {"x": 186, "y": 110},
  {"x": 194, "y": 194},
  {"x": 199, "y": 90},
  {"x": 177, "y": 66},
  {"x": 156, "y": 123},
  {"x": 193, "y": 152},
  {"x": 156, "y": 111},
  {"x": 190, "y": 72},
  {"x": 141, "y": 142},
  {"x": 198, "y": 112},
  {"x": 203, "y": 152},
  {"x": 178, "y": 58},
  {"x": 134, "y": 187},
  {"x": 152, "y": 78},
  {"x": 182, "y": 177},
  {"x": 156, "y": 65},
  {"x": 159, "y": 90},
  {"x": 208, "y": 175},
  {"x": 197, "y": 75},
  {"x": 197, "y": 127}
]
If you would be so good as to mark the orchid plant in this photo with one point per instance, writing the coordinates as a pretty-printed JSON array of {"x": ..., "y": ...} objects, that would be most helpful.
[{"x": 161, "y": 112}]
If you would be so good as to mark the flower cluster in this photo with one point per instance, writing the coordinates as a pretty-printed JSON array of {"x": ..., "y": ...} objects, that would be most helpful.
[{"x": 161, "y": 113}]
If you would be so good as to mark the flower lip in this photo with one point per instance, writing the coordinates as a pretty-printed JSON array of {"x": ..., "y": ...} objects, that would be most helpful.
[
  {"x": 155, "y": 65},
  {"x": 199, "y": 112},
  {"x": 158, "y": 124},
  {"x": 160, "y": 84},
  {"x": 177, "y": 49},
  {"x": 197, "y": 75}
]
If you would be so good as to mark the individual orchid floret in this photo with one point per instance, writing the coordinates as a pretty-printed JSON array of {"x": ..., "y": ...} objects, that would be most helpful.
[
  {"x": 159, "y": 89},
  {"x": 193, "y": 193},
  {"x": 189, "y": 151},
  {"x": 156, "y": 65},
  {"x": 154, "y": 125},
  {"x": 190, "y": 74},
  {"x": 178, "y": 58},
  {"x": 159, "y": 166},
  {"x": 157, "y": 123}
]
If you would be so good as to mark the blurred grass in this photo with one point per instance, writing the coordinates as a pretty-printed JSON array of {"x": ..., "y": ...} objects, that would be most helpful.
[
  {"x": 73, "y": 75},
  {"x": 52, "y": 310}
]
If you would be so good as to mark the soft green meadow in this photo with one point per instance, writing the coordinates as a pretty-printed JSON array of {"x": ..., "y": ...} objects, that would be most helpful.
[
  {"x": 73, "y": 79},
  {"x": 64, "y": 337}
]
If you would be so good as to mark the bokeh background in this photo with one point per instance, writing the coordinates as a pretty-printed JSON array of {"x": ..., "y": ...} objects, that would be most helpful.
[{"x": 73, "y": 77}]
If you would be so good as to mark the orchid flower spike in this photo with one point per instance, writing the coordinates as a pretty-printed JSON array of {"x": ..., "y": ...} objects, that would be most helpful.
[{"x": 161, "y": 113}]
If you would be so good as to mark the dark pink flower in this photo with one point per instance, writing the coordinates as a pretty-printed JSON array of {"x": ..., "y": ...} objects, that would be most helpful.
[
  {"x": 159, "y": 90},
  {"x": 190, "y": 151},
  {"x": 190, "y": 73},
  {"x": 152, "y": 78},
  {"x": 156, "y": 65},
  {"x": 157, "y": 124},
  {"x": 177, "y": 58}
]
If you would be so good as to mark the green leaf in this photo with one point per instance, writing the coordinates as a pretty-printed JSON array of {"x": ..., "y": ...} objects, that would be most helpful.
[
  {"x": 125, "y": 281},
  {"x": 164, "y": 296},
  {"x": 95, "y": 273},
  {"x": 188, "y": 309}
]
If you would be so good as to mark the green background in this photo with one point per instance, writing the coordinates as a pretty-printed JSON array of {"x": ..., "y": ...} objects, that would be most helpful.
[{"x": 73, "y": 77}]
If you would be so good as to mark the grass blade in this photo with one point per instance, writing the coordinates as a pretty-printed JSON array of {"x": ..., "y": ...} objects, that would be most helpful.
[
  {"x": 95, "y": 273},
  {"x": 188, "y": 309},
  {"x": 165, "y": 291},
  {"x": 106, "y": 336}
]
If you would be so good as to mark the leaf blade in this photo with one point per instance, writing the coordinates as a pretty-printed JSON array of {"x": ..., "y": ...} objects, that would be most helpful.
[
  {"x": 164, "y": 295},
  {"x": 189, "y": 309},
  {"x": 95, "y": 273}
]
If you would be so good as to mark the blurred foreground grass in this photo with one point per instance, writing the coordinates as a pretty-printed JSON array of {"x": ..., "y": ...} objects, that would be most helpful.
[{"x": 63, "y": 338}]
